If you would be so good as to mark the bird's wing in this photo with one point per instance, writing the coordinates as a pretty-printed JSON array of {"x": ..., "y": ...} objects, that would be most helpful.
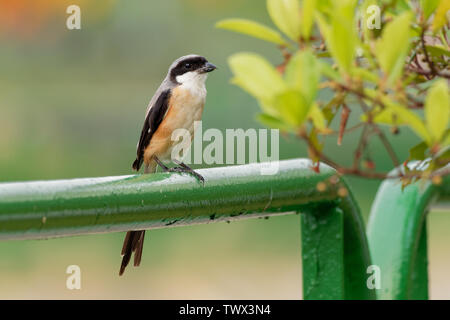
[{"x": 155, "y": 115}]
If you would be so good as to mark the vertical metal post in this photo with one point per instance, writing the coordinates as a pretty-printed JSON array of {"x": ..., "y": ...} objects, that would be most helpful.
[{"x": 323, "y": 253}]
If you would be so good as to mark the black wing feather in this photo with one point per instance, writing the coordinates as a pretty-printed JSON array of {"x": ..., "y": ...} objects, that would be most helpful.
[{"x": 151, "y": 124}]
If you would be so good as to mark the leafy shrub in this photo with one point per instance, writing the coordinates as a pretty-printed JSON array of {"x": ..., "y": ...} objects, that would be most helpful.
[{"x": 388, "y": 58}]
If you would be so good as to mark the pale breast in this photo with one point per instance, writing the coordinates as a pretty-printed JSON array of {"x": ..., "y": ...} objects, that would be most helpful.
[{"x": 184, "y": 109}]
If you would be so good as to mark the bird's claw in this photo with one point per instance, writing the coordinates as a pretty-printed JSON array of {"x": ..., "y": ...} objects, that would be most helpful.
[{"x": 184, "y": 168}]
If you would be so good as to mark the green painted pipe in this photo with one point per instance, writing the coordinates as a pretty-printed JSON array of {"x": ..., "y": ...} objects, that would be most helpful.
[
  {"x": 397, "y": 236},
  {"x": 43, "y": 209}
]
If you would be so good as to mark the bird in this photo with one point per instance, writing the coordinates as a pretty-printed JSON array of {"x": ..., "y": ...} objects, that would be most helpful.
[{"x": 176, "y": 104}]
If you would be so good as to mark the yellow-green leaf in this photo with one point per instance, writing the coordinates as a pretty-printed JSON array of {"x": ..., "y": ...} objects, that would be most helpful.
[
  {"x": 437, "y": 51},
  {"x": 383, "y": 117},
  {"x": 257, "y": 76},
  {"x": 292, "y": 107},
  {"x": 307, "y": 20},
  {"x": 302, "y": 72},
  {"x": 317, "y": 117},
  {"x": 392, "y": 48},
  {"x": 273, "y": 122},
  {"x": 418, "y": 151},
  {"x": 396, "y": 114},
  {"x": 253, "y": 29},
  {"x": 371, "y": 18},
  {"x": 399, "y": 115},
  {"x": 324, "y": 27},
  {"x": 366, "y": 75},
  {"x": 437, "y": 109},
  {"x": 325, "y": 6},
  {"x": 428, "y": 7},
  {"x": 340, "y": 35},
  {"x": 328, "y": 71},
  {"x": 446, "y": 142},
  {"x": 440, "y": 19},
  {"x": 286, "y": 16}
]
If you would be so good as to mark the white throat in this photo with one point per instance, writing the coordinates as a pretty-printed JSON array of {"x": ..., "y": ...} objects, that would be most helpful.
[{"x": 194, "y": 82}]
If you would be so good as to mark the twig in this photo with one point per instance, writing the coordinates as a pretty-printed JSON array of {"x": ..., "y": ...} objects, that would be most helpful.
[
  {"x": 428, "y": 73},
  {"x": 425, "y": 52},
  {"x": 369, "y": 174},
  {"x": 387, "y": 145},
  {"x": 360, "y": 148},
  {"x": 381, "y": 136},
  {"x": 344, "y": 118},
  {"x": 355, "y": 127}
]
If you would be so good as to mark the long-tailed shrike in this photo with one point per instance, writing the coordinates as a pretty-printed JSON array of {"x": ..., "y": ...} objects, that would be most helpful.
[{"x": 177, "y": 103}]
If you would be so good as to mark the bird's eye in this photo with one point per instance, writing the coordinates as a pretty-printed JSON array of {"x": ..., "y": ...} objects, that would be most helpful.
[{"x": 187, "y": 65}]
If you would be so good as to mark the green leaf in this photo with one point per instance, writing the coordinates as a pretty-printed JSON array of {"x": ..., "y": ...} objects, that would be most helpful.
[
  {"x": 307, "y": 20},
  {"x": 437, "y": 109},
  {"x": 328, "y": 71},
  {"x": 399, "y": 115},
  {"x": 402, "y": 5},
  {"x": 325, "y": 7},
  {"x": 314, "y": 139},
  {"x": 324, "y": 27},
  {"x": 317, "y": 117},
  {"x": 292, "y": 107},
  {"x": 258, "y": 77},
  {"x": 302, "y": 72},
  {"x": 428, "y": 7},
  {"x": 418, "y": 151},
  {"x": 253, "y": 29},
  {"x": 340, "y": 34},
  {"x": 385, "y": 116},
  {"x": 286, "y": 16},
  {"x": 395, "y": 114},
  {"x": 273, "y": 122},
  {"x": 392, "y": 48},
  {"x": 365, "y": 75},
  {"x": 446, "y": 140},
  {"x": 443, "y": 156},
  {"x": 330, "y": 109},
  {"x": 437, "y": 51},
  {"x": 440, "y": 19},
  {"x": 412, "y": 120},
  {"x": 323, "y": 54},
  {"x": 371, "y": 16}
]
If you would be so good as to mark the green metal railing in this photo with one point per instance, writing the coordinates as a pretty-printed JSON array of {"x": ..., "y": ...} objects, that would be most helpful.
[
  {"x": 335, "y": 251},
  {"x": 397, "y": 233}
]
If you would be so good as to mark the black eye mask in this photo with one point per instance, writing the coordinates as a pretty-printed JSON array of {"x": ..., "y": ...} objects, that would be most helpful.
[{"x": 188, "y": 65}]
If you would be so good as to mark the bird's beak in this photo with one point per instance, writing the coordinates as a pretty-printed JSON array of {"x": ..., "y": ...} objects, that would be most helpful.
[{"x": 208, "y": 67}]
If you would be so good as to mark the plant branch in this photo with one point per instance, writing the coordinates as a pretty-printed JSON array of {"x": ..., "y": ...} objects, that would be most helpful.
[
  {"x": 344, "y": 118},
  {"x": 368, "y": 174},
  {"x": 428, "y": 73},
  {"x": 425, "y": 52},
  {"x": 382, "y": 137},
  {"x": 360, "y": 148}
]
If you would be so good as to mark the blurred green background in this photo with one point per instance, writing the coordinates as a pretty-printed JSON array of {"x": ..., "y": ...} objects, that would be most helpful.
[{"x": 72, "y": 104}]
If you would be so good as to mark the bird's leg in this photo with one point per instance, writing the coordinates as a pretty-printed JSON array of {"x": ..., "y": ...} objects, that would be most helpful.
[
  {"x": 185, "y": 168},
  {"x": 162, "y": 165}
]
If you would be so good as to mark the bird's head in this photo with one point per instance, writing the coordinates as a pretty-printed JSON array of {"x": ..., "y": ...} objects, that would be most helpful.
[{"x": 190, "y": 68}]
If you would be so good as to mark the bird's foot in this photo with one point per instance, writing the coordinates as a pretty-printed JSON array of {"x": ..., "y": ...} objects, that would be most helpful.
[{"x": 182, "y": 167}]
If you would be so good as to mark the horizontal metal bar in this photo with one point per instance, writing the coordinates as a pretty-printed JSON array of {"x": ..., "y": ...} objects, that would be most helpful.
[{"x": 42, "y": 209}]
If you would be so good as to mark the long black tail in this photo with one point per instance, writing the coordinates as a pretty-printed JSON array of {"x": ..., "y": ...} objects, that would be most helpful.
[{"x": 134, "y": 242}]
